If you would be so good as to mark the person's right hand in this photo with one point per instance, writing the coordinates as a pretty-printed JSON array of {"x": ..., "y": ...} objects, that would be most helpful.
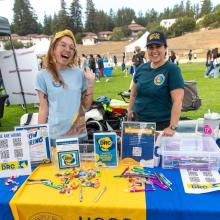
[{"x": 130, "y": 115}]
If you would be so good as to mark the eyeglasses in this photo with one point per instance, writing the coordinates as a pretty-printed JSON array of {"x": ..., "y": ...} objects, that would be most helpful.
[
  {"x": 154, "y": 46},
  {"x": 66, "y": 46}
]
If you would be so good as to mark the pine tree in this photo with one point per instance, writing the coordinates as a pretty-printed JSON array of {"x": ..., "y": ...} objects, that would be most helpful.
[
  {"x": 54, "y": 24},
  {"x": 111, "y": 19},
  {"x": 189, "y": 9},
  {"x": 63, "y": 17},
  {"x": 25, "y": 20},
  {"x": 206, "y": 7},
  {"x": 91, "y": 23},
  {"x": 124, "y": 16},
  {"x": 47, "y": 25},
  {"x": 76, "y": 16}
]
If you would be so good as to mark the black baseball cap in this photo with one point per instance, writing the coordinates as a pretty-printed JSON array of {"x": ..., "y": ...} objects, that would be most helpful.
[{"x": 156, "y": 37}]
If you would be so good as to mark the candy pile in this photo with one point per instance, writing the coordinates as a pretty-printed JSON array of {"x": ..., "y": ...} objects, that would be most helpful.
[
  {"x": 71, "y": 180},
  {"x": 11, "y": 182}
]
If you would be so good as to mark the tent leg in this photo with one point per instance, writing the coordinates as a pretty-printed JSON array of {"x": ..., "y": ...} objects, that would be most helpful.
[{"x": 19, "y": 77}]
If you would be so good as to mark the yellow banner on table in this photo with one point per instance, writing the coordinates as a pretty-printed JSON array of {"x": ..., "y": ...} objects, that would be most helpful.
[{"x": 40, "y": 202}]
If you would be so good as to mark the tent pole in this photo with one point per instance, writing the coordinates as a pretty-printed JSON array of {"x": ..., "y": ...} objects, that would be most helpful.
[{"x": 19, "y": 77}]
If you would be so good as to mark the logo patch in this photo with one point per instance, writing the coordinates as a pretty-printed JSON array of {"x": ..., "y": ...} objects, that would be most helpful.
[
  {"x": 56, "y": 84},
  {"x": 105, "y": 143},
  {"x": 159, "y": 79},
  {"x": 154, "y": 36}
]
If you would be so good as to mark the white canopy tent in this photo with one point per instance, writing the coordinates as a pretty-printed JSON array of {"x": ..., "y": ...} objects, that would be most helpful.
[
  {"x": 41, "y": 47},
  {"x": 141, "y": 42}
]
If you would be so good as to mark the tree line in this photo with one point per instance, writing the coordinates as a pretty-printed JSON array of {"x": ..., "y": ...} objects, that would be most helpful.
[{"x": 25, "y": 20}]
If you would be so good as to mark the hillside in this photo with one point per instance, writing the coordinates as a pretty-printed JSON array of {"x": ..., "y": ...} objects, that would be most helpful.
[{"x": 199, "y": 42}]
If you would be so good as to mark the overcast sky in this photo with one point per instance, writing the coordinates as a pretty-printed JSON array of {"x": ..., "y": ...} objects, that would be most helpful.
[{"x": 48, "y": 7}]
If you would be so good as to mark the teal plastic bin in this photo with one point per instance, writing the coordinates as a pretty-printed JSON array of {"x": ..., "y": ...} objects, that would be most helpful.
[{"x": 108, "y": 71}]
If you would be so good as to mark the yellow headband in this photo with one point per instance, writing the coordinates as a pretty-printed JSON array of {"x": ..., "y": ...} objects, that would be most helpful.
[{"x": 66, "y": 32}]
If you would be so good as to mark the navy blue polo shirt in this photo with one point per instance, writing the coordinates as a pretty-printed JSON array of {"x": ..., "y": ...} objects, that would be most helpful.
[{"x": 153, "y": 102}]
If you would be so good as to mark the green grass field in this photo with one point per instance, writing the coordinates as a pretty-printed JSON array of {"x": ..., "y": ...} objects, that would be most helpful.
[{"x": 209, "y": 91}]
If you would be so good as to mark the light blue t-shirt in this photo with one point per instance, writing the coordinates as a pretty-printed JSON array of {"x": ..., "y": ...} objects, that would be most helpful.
[{"x": 63, "y": 101}]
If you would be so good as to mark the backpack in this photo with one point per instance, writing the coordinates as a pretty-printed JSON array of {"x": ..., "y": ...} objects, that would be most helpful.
[
  {"x": 137, "y": 59},
  {"x": 191, "y": 100}
]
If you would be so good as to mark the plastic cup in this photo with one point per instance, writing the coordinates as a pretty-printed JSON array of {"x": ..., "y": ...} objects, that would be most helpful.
[{"x": 211, "y": 124}]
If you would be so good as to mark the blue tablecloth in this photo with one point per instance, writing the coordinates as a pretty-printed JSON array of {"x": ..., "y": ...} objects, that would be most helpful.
[
  {"x": 177, "y": 205},
  {"x": 5, "y": 197}
]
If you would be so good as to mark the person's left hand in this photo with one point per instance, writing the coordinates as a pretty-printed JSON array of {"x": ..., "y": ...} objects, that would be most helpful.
[
  {"x": 90, "y": 76},
  {"x": 168, "y": 132}
]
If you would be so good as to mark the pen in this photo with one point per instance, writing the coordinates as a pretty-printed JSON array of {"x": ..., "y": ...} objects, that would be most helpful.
[
  {"x": 161, "y": 185},
  {"x": 158, "y": 177},
  {"x": 100, "y": 194},
  {"x": 164, "y": 181},
  {"x": 39, "y": 181},
  {"x": 142, "y": 190},
  {"x": 80, "y": 194},
  {"x": 125, "y": 170},
  {"x": 168, "y": 181}
]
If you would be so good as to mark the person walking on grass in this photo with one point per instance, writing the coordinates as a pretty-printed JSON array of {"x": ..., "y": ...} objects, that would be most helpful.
[{"x": 101, "y": 69}]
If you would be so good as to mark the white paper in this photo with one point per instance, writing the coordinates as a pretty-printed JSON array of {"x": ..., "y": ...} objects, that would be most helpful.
[
  {"x": 14, "y": 154},
  {"x": 196, "y": 181}
]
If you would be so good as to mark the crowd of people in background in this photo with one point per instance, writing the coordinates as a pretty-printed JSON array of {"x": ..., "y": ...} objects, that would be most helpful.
[
  {"x": 212, "y": 63},
  {"x": 97, "y": 63}
]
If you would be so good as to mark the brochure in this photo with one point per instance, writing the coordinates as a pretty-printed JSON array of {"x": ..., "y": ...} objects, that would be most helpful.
[
  {"x": 197, "y": 181},
  {"x": 68, "y": 154},
  {"x": 39, "y": 141},
  {"x": 105, "y": 149},
  {"x": 14, "y": 154},
  {"x": 138, "y": 140}
]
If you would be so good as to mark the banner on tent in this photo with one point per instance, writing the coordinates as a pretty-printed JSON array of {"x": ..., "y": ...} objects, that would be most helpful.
[{"x": 28, "y": 68}]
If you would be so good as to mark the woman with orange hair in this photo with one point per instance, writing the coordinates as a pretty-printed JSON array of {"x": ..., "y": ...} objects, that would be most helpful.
[{"x": 64, "y": 89}]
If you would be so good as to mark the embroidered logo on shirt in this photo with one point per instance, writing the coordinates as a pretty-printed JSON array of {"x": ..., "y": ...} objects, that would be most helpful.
[
  {"x": 56, "y": 84},
  {"x": 159, "y": 79}
]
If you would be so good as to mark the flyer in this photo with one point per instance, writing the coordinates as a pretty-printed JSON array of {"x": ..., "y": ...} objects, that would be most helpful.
[
  {"x": 68, "y": 154},
  {"x": 138, "y": 140},
  {"x": 39, "y": 141},
  {"x": 14, "y": 154},
  {"x": 198, "y": 181},
  {"x": 105, "y": 149}
]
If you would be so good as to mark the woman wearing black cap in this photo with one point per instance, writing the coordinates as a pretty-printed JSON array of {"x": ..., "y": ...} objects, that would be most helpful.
[{"x": 157, "y": 91}]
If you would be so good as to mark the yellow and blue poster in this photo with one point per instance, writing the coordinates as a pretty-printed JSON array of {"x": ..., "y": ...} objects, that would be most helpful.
[{"x": 105, "y": 149}]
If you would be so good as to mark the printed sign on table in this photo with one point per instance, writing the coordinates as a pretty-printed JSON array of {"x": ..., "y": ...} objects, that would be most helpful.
[
  {"x": 39, "y": 142},
  {"x": 105, "y": 149},
  {"x": 138, "y": 143},
  {"x": 200, "y": 181},
  {"x": 68, "y": 153},
  {"x": 14, "y": 154}
]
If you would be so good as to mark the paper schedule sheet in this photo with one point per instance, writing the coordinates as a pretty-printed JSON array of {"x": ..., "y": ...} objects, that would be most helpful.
[{"x": 197, "y": 181}]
